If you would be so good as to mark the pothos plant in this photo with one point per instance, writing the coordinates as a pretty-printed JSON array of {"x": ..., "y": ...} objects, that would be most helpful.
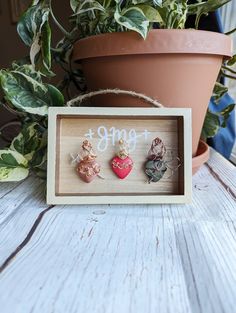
[{"x": 26, "y": 85}]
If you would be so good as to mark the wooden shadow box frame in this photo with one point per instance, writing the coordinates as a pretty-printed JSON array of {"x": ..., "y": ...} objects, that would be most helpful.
[{"x": 68, "y": 127}]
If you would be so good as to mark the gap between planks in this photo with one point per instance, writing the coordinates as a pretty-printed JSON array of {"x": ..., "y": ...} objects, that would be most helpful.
[
  {"x": 28, "y": 237},
  {"x": 220, "y": 180}
]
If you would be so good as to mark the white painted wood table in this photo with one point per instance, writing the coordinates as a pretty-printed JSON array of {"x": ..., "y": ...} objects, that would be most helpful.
[{"x": 120, "y": 259}]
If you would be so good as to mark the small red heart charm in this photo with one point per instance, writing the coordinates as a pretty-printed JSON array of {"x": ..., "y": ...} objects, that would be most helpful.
[{"x": 122, "y": 167}]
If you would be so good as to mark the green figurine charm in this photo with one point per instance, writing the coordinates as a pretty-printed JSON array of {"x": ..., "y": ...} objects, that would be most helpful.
[{"x": 156, "y": 164}]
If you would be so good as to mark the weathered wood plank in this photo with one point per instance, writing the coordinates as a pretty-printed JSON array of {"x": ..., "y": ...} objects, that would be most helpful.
[
  {"x": 7, "y": 188},
  {"x": 29, "y": 192},
  {"x": 208, "y": 264},
  {"x": 127, "y": 259},
  {"x": 224, "y": 170},
  {"x": 19, "y": 209},
  {"x": 116, "y": 264}
]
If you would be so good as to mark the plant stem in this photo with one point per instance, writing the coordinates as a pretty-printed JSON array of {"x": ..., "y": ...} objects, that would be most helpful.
[
  {"x": 6, "y": 125},
  {"x": 228, "y": 69},
  {"x": 228, "y": 76},
  {"x": 58, "y": 50},
  {"x": 231, "y": 32},
  {"x": 65, "y": 32},
  {"x": 11, "y": 110}
]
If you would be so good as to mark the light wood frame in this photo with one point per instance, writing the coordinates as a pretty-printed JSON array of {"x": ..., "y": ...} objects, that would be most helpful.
[{"x": 185, "y": 138}]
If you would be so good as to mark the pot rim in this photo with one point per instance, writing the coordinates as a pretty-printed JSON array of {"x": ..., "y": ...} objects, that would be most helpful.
[
  {"x": 202, "y": 155},
  {"x": 158, "y": 41}
]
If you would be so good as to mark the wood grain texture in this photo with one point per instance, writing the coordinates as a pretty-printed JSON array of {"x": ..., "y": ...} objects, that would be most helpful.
[
  {"x": 129, "y": 259},
  {"x": 72, "y": 135},
  {"x": 19, "y": 207},
  {"x": 225, "y": 171}
]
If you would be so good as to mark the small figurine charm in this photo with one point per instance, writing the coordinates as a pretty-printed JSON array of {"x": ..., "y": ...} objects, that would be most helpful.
[
  {"x": 157, "y": 165},
  {"x": 87, "y": 167},
  {"x": 122, "y": 164}
]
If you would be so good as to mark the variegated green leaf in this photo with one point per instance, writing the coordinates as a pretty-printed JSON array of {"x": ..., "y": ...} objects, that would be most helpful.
[
  {"x": 74, "y": 4},
  {"x": 173, "y": 14},
  {"x": 41, "y": 54},
  {"x": 107, "y": 3},
  {"x": 35, "y": 31},
  {"x": 134, "y": 19},
  {"x": 39, "y": 159},
  {"x": 215, "y": 120},
  {"x": 232, "y": 61},
  {"x": 151, "y": 13},
  {"x": 55, "y": 97},
  {"x": 13, "y": 166},
  {"x": 86, "y": 6},
  {"x": 149, "y": 2},
  {"x": 28, "y": 140},
  {"x": 25, "y": 91},
  {"x": 219, "y": 91},
  {"x": 28, "y": 71},
  {"x": 225, "y": 114},
  {"x": 211, "y": 125}
]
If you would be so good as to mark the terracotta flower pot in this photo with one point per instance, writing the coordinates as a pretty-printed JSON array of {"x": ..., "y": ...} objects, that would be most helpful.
[{"x": 177, "y": 67}]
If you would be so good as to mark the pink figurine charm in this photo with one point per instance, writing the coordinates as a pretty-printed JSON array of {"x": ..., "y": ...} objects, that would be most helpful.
[
  {"x": 122, "y": 164},
  {"x": 87, "y": 167}
]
